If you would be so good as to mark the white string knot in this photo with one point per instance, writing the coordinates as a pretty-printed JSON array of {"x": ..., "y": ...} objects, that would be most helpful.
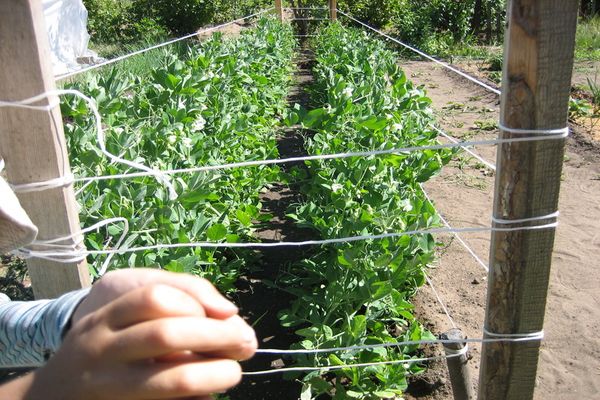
[
  {"x": 58, "y": 251},
  {"x": 558, "y": 133},
  {"x": 53, "y": 102},
  {"x": 60, "y": 182}
]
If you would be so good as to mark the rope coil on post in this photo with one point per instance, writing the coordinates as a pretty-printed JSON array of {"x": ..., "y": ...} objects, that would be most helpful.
[{"x": 533, "y": 336}]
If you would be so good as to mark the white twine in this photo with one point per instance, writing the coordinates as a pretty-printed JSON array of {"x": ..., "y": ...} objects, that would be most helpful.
[
  {"x": 501, "y": 221},
  {"x": 62, "y": 254},
  {"x": 488, "y": 164},
  {"x": 345, "y": 366},
  {"x": 60, "y": 182},
  {"x": 69, "y": 253},
  {"x": 500, "y": 338},
  {"x": 462, "y": 351},
  {"x": 441, "y": 302},
  {"x": 26, "y": 104},
  {"x": 256, "y": 163},
  {"x": 494, "y": 338},
  {"x": 519, "y": 131},
  {"x": 169, "y": 42},
  {"x": 305, "y": 8},
  {"x": 515, "y": 337},
  {"x": 66, "y": 180},
  {"x": 456, "y": 235},
  {"x": 427, "y": 56}
]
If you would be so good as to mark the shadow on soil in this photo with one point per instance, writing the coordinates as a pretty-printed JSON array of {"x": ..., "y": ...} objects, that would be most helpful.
[{"x": 258, "y": 298}]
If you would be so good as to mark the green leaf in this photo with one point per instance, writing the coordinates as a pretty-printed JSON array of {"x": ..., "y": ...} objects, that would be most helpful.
[
  {"x": 385, "y": 395},
  {"x": 381, "y": 289},
  {"x": 244, "y": 218},
  {"x": 374, "y": 123},
  {"x": 216, "y": 232},
  {"x": 174, "y": 266},
  {"x": 320, "y": 385},
  {"x": 232, "y": 238},
  {"x": 358, "y": 326},
  {"x": 313, "y": 118},
  {"x": 354, "y": 395},
  {"x": 197, "y": 196},
  {"x": 306, "y": 393}
]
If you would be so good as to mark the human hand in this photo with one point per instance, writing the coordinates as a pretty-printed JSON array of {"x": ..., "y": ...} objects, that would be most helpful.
[
  {"x": 158, "y": 341},
  {"x": 117, "y": 283}
]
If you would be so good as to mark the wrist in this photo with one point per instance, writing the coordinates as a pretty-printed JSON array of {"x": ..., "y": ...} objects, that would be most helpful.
[{"x": 18, "y": 388}]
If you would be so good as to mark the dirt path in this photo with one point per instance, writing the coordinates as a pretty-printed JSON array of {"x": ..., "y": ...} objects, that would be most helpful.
[
  {"x": 569, "y": 365},
  {"x": 258, "y": 298}
]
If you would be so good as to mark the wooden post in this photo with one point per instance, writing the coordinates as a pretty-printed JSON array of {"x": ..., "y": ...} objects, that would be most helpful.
[
  {"x": 32, "y": 143},
  {"x": 538, "y": 61},
  {"x": 279, "y": 9},
  {"x": 458, "y": 366},
  {"x": 333, "y": 10}
]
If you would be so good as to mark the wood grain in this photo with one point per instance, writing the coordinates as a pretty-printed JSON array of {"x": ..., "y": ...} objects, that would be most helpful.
[
  {"x": 538, "y": 61},
  {"x": 32, "y": 143},
  {"x": 333, "y": 9},
  {"x": 279, "y": 9}
]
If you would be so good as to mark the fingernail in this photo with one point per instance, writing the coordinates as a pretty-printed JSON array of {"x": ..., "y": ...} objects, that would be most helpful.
[
  {"x": 225, "y": 305},
  {"x": 249, "y": 335}
]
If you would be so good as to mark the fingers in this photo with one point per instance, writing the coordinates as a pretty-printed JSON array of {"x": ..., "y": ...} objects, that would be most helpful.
[
  {"x": 158, "y": 338},
  {"x": 168, "y": 381},
  {"x": 215, "y": 304},
  {"x": 149, "y": 303}
]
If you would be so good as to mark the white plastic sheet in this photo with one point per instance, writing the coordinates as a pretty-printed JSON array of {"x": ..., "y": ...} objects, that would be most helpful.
[{"x": 66, "y": 23}]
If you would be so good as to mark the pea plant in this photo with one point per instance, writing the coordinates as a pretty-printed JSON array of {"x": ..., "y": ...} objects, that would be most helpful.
[
  {"x": 358, "y": 293},
  {"x": 212, "y": 103}
]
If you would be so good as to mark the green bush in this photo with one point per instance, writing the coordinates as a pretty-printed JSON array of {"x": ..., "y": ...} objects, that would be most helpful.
[
  {"x": 134, "y": 21},
  {"x": 114, "y": 21}
]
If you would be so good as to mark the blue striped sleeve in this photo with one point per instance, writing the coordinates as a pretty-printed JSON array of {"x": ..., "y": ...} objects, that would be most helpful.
[{"x": 30, "y": 332}]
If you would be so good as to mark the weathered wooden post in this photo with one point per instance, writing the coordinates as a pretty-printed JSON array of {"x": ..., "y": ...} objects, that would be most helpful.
[
  {"x": 32, "y": 142},
  {"x": 333, "y": 9},
  {"x": 279, "y": 9},
  {"x": 538, "y": 61}
]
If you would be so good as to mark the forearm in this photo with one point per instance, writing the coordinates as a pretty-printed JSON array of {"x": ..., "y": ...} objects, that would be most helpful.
[
  {"x": 30, "y": 332},
  {"x": 18, "y": 388}
]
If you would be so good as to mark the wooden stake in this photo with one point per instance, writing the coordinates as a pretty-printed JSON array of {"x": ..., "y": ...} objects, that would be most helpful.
[
  {"x": 333, "y": 10},
  {"x": 32, "y": 143},
  {"x": 538, "y": 61},
  {"x": 458, "y": 366},
  {"x": 279, "y": 9}
]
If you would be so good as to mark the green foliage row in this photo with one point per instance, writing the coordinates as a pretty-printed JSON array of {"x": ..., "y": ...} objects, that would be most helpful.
[
  {"x": 131, "y": 21},
  {"x": 434, "y": 25},
  {"x": 357, "y": 293},
  {"x": 219, "y": 104}
]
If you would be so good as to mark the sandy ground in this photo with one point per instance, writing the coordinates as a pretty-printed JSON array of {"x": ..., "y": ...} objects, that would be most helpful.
[{"x": 569, "y": 366}]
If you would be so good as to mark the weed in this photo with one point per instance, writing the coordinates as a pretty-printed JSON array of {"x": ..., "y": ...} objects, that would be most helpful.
[{"x": 486, "y": 125}]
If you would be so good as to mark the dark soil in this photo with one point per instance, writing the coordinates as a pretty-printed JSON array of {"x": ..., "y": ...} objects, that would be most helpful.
[
  {"x": 14, "y": 280},
  {"x": 258, "y": 296}
]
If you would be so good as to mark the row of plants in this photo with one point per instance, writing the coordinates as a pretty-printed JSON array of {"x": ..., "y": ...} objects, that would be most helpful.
[
  {"x": 218, "y": 102},
  {"x": 358, "y": 293}
]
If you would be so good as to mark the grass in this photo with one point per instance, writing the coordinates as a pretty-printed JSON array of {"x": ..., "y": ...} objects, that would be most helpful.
[
  {"x": 587, "y": 45},
  {"x": 139, "y": 65}
]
